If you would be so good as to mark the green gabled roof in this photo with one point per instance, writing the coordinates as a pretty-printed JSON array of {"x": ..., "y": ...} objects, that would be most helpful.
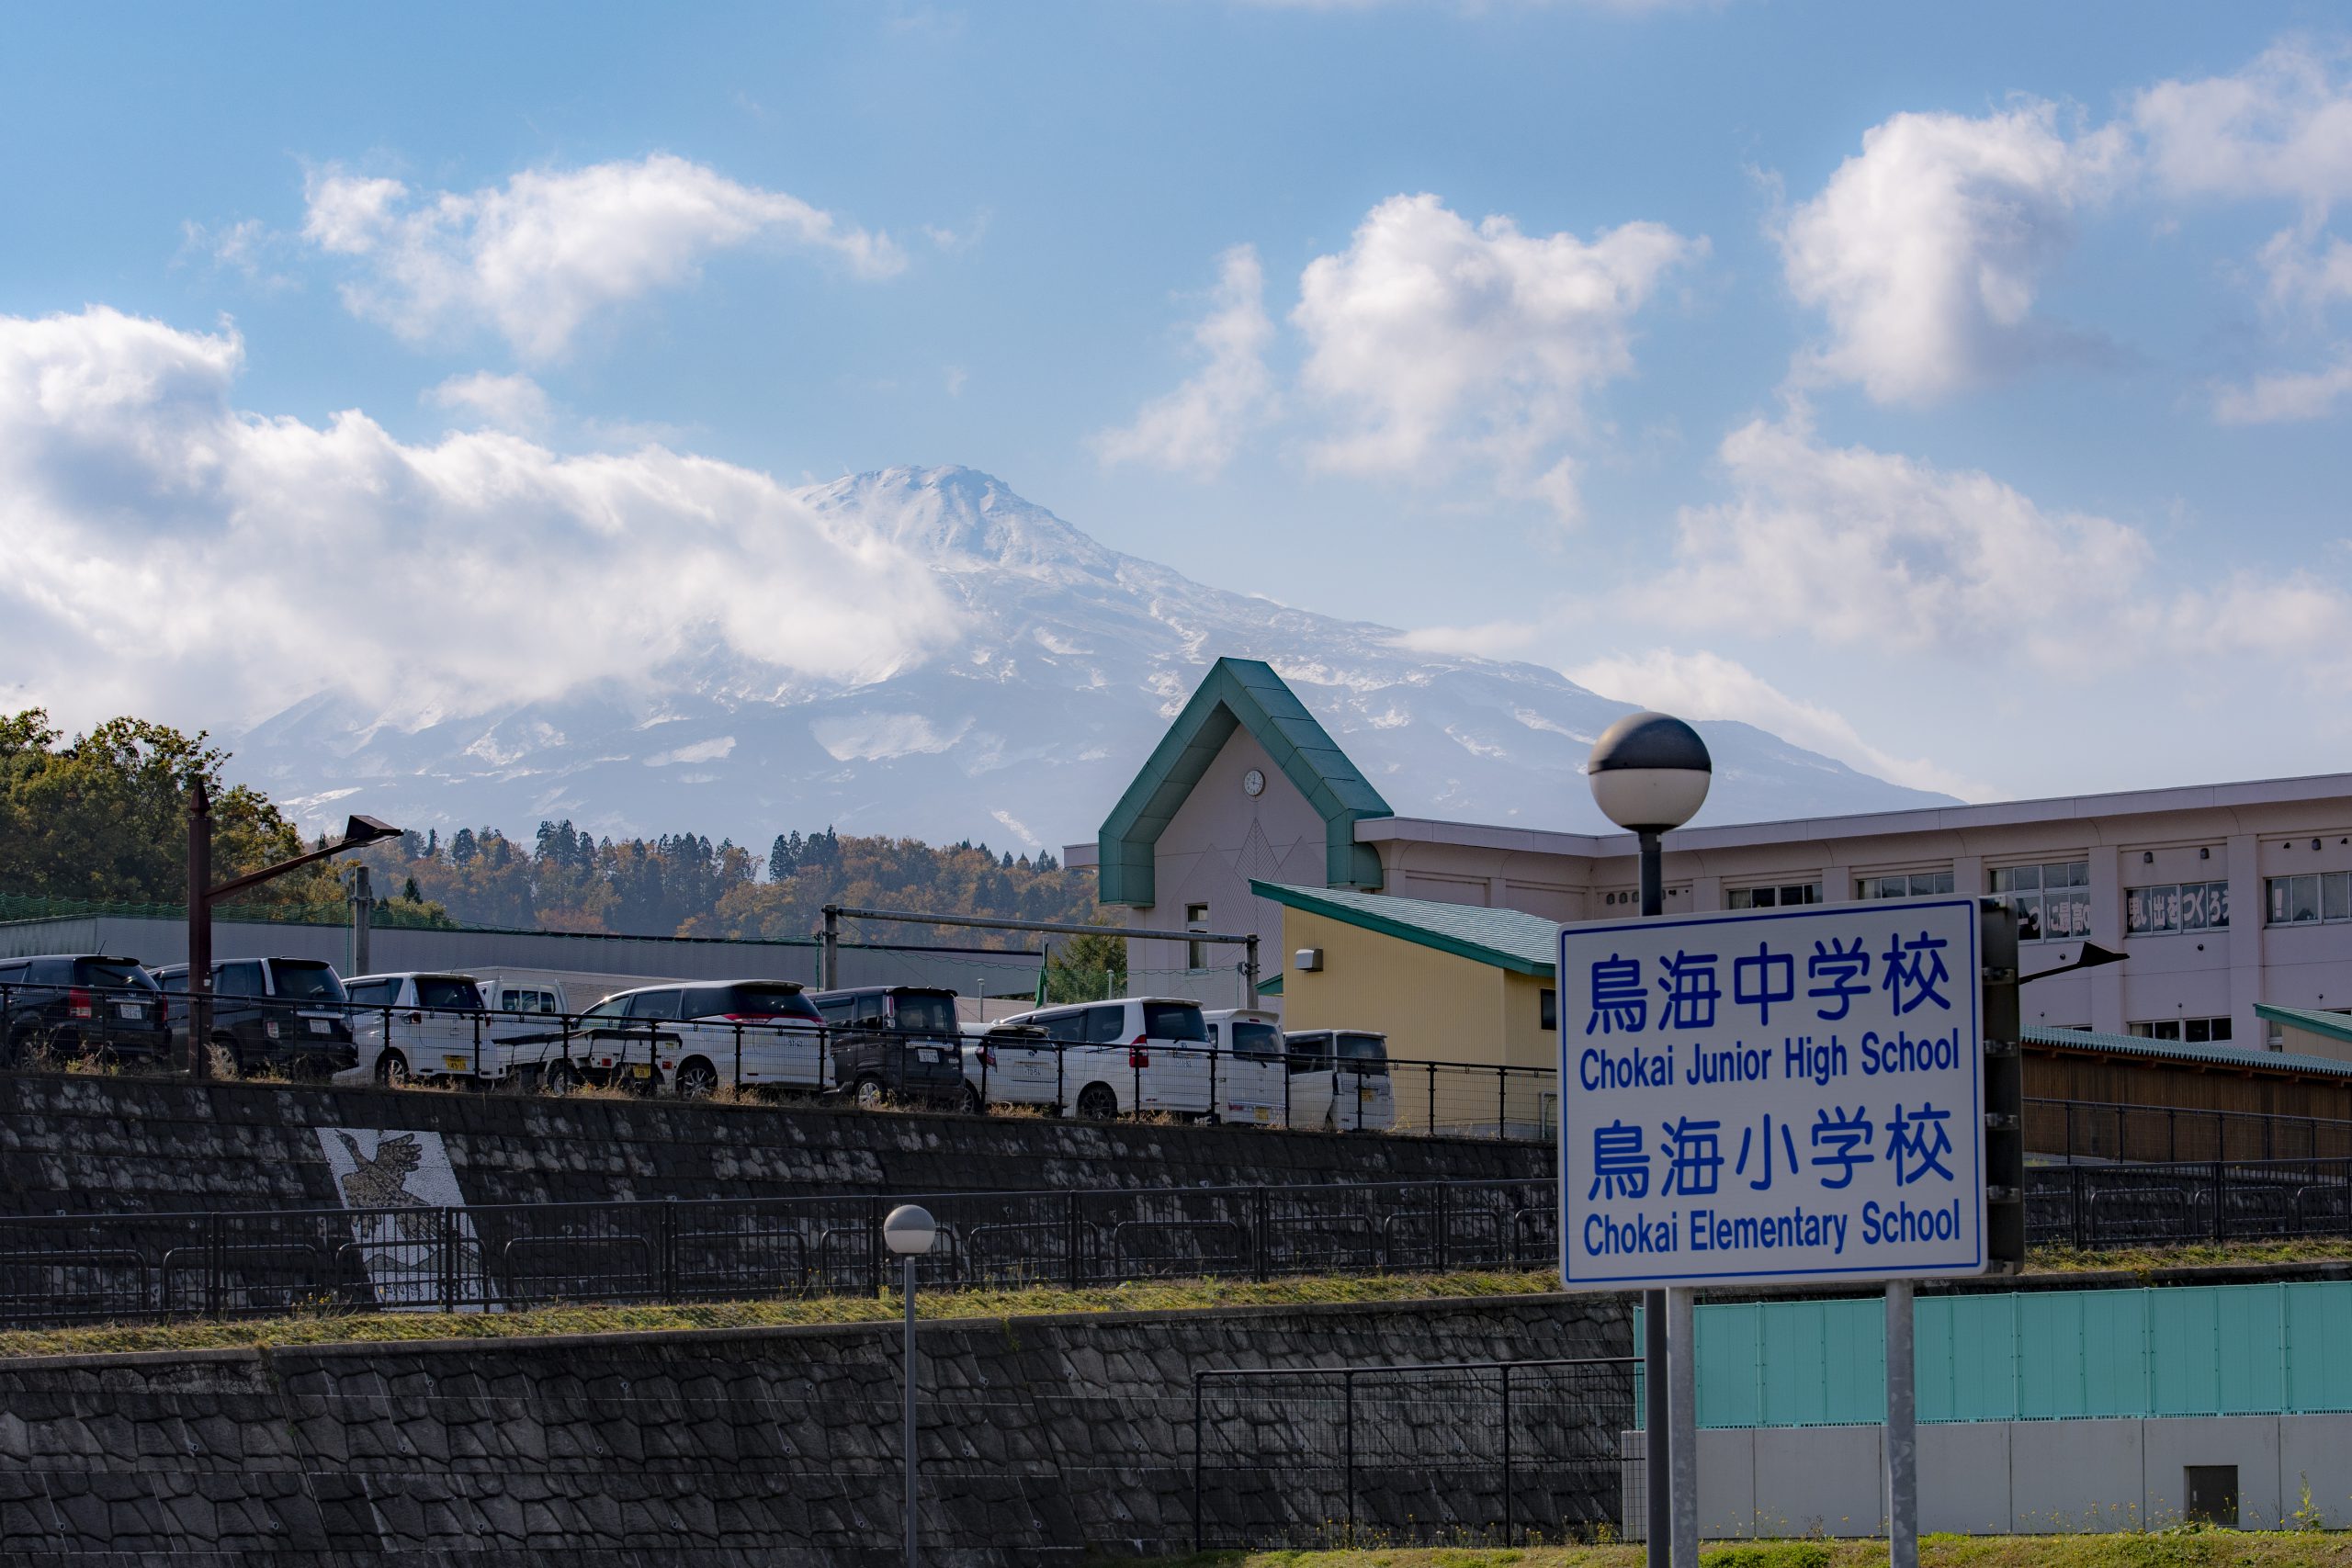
[
  {"x": 1238, "y": 693},
  {"x": 1507, "y": 939},
  {"x": 2335, "y": 1025},
  {"x": 2222, "y": 1054}
]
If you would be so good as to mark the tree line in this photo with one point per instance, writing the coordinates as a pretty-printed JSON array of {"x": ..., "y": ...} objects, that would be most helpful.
[{"x": 102, "y": 818}]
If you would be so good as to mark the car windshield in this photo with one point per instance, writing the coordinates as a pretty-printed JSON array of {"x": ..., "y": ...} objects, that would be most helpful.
[
  {"x": 112, "y": 972},
  {"x": 1261, "y": 1041},
  {"x": 1363, "y": 1051},
  {"x": 1174, "y": 1020},
  {"x": 439, "y": 991},
  {"x": 770, "y": 1001},
  {"x": 309, "y": 983},
  {"x": 924, "y": 1013}
]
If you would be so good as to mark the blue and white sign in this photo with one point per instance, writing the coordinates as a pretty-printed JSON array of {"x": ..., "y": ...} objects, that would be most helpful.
[{"x": 1776, "y": 1096}]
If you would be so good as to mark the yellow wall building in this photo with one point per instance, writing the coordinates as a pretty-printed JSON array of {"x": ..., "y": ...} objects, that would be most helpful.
[{"x": 1464, "y": 995}]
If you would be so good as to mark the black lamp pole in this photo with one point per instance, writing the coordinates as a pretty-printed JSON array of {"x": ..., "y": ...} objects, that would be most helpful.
[{"x": 357, "y": 832}]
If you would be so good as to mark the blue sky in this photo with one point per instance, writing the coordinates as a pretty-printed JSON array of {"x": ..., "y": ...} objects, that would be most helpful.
[{"x": 1962, "y": 391}]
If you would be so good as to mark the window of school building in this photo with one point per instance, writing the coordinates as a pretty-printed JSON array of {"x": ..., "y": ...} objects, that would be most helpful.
[{"x": 2053, "y": 899}]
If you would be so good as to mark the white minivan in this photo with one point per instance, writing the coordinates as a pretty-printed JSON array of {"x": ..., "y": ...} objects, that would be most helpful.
[
  {"x": 1145, "y": 1054},
  {"x": 420, "y": 1025},
  {"x": 1249, "y": 1067},
  {"x": 1008, "y": 1063},
  {"x": 698, "y": 1038},
  {"x": 1338, "y": 1081}
]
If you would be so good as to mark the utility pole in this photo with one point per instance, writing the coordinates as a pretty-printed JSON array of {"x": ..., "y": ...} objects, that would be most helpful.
[
  {"x": 362, "y": 907},
  {"x": 193, "y": 1056}
]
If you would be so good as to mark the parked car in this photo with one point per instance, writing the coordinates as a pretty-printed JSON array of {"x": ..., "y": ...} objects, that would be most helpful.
[
  {"x": 898, "y": 1043},
  {"x": 419, "y": 1026},
  {"x": 1249, "y": 1067},
  {"x": 1339, "y": 1081},
  {"x": 79, "y": 1005},
  {"x": 1119, "y": 1057},
  {"x": 1009, "y": 1063},
  {"x": 286, "y": 1013},
  {"x": 529, "y": 991},
  {"x": 695, "y": 1038}
]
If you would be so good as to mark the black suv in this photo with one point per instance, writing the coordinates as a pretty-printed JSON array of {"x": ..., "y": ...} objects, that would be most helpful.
[
  {"x": 77, "y": 1006},
  {"x": 894, "y": 1043},
  {"x": 287, "y": 1013}
]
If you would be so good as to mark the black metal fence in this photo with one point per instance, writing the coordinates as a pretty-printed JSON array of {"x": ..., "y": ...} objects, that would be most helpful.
[
  {"x": 2100, "y": 1207},
  {"x": 1475, "y": 1454},
  {"x": 64, "y": 1269}
]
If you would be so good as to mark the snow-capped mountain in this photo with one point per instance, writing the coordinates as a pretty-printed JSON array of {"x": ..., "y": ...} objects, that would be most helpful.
[{"x": 1068, "y": 661}]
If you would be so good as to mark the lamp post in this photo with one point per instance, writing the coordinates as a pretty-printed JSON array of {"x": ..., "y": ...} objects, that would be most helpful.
[
  {"x": 909, "y": 1231},
  {"x": 1649, "y": 773},
  {"x": 357, "y": 832}
]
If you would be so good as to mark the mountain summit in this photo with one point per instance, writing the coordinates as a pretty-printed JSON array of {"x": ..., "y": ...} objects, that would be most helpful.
[{"x": 1063, "y": 663}]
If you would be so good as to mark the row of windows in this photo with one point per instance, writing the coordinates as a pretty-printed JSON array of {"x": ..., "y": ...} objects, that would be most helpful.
[
  {"x": 1906, "y": 885},
  {"x": 2184, "y": 907},
  {"x": 2190, "y": 1031},
  {"x": 1786, "y": 895},
  {"x": 2053, "y": 900},
  {"x": 2304, "y": 900}
]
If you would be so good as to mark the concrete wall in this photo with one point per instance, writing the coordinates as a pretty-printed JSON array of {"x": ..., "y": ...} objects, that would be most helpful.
[
  {"x": 98, "y": 1144},
  {"x": 1996, "y": 1477},
  {"x": 1044, "y": 1440}
]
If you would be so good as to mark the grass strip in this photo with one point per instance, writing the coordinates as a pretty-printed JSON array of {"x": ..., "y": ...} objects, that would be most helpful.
[
  {"x": 392, "y": 1327},
  {"x": 2188, "y": 1546}
]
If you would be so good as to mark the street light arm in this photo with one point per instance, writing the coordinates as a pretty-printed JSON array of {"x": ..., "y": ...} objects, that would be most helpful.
[
  {"x": 2092, "y": 956},
  {"x": 358, "y": 833}
]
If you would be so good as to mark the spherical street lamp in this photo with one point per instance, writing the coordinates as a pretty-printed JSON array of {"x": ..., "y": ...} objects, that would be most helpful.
[
  {"x": 909, "y": 1230},
  {"x": 1649, "y": 773}
]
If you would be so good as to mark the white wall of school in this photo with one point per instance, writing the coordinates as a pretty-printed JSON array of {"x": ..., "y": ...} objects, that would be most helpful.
[{"x": 2018, "y": 1477}]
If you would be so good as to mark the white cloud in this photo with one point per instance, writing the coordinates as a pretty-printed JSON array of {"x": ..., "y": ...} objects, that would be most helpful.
[
  {"x": 1435, "y": 344},
  {"x": 1707, "y": 685},
  {"x": 1860, "y": 549},
  {"x": 1856, "y": 547},
  {"x": 537, "y": 258},
  {"x": 1196, "y": 428},
  {"x": 877, "y": 737},
  {"x": 2281, "y": 128},
  {"x": 502, "y": 402},
  {"x": 186, "y": 558},
  {"x": 2282, "y": 397},
  {"x": 1926, "y": 249}
]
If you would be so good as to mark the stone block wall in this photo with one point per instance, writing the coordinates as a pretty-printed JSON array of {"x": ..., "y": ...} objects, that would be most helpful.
[
  {"x": 87, "y": 1144},
  {"x": 1044, "y": 1440}
]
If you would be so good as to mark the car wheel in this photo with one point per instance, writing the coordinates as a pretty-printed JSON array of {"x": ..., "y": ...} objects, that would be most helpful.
[
  {"x": 871, "y": 1094},
  {"x": 392, "y": 1069},
  {"x": 1098, "y": 1102},
  {"x": 972, "y": 1104},
  {"x": 697, "y": 1079},
  {"x": 559, "y": 1077},
  {"x": 23, "y": 1041}
]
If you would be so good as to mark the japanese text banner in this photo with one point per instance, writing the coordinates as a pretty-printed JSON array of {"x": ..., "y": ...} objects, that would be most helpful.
[{"x": 1776, "y": 1096}]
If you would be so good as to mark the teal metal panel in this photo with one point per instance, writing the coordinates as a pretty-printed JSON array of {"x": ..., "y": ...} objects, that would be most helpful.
[
  {"x": 1967, "y": 1358},
  {"x": 2319, "y": 1346},
  {"x": 2183, "y": 1371},
  {"x": 2251, "y": 1349},
  {"x": 1731, "y": 1353},
  {"x": 1854, "y": 1353}
]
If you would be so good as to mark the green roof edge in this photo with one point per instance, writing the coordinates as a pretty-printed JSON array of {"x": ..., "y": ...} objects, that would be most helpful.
[
  {"x": 2335, "y": 1025},
  {"x": 1404, "y": 930},
  {"x": 1243, "y": 693}
]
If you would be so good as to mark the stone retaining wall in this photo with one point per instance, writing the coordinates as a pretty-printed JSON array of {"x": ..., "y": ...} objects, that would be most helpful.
[
  {"x": 83, "y": 1143},
  {"x": 1044, "y": 1440}
]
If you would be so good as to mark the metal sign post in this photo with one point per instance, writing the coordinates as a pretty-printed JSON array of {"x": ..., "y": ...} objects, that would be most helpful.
[{"x": 1778, "y": 1097}]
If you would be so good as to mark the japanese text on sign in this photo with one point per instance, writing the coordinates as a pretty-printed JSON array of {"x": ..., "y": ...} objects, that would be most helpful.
[{"x": 1779, "y": 1094}]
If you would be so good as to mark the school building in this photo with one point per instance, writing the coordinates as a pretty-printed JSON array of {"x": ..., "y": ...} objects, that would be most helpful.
[{"x": 2232, "y": 901}]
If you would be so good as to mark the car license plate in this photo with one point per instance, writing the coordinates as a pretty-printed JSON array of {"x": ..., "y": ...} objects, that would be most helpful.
[
  {"x": 640, "y": 1071},
  {"x": 455, "y": 1064},
  {"x": 130, "y": 1010},
  {"x": 1264, "y": 1113},
  {"x": 1366, "y": 1096},
  {"x": 930, "y": 1055},
  {"x": 320, "y": 1026}
]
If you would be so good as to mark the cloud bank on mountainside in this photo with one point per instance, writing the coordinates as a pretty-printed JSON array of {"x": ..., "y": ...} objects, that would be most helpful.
[{"x": 182, "y": 555}]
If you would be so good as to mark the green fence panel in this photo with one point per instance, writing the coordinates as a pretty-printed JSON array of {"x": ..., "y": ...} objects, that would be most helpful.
[
  {"x": 1854, "y": 1357},
  {"x": 2319, "y": 1346},
  {"x": 2250, "y": 1348},
  {"x": 1966, "y": 1347},
  {"x": 1731, "y": 1356}
]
